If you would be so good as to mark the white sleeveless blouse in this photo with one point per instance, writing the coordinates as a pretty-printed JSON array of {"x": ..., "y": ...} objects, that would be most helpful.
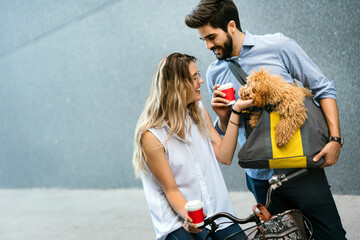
[{"x": 197, "y": 174}]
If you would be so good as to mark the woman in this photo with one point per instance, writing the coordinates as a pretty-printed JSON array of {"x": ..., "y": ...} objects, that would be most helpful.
[{"x": 177, "y": 148}]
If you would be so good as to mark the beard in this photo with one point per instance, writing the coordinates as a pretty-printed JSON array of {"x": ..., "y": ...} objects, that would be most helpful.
[{"x": 226, "y": 49}]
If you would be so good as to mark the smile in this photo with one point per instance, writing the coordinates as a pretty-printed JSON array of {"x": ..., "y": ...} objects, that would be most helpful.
[{"x": 216, "y": 50}]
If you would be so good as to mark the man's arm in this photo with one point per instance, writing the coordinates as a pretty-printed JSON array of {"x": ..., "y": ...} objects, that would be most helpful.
[
  {"x": 304, "y": 69},
  {"x": 331, "y": 150}
]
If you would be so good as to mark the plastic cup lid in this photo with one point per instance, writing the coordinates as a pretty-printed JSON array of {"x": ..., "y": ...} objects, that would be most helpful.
[
  {"x": 225, "y": 86},
  {"x": 193, "y": 205}
]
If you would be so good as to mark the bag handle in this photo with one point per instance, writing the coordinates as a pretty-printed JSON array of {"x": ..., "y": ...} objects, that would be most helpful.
[
  {"x": 237, "y": 71},
  {"x": 264, "y": 214}
]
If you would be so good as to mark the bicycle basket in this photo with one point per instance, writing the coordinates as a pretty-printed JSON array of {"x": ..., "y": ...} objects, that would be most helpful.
[{"x": 286, "y": 225}]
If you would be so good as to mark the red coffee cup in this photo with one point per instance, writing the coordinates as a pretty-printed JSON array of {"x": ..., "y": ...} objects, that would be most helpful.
[
  {"x": 229, "y": 91},
  {"x": 195, "y": 212}
]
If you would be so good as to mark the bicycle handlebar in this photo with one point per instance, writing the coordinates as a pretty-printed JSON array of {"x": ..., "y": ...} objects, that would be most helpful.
[
  {"x": 275, "y": 182},
  {"x": 211, "y": 221},
  {"x": 296, "y": 174},
  {"x": 251, "y": 218}
]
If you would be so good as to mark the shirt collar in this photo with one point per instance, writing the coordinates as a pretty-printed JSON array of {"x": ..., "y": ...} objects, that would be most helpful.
[{"x": 248, "y": 42}]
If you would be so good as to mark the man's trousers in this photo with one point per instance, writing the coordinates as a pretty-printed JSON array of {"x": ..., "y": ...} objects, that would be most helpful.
[{"x": 310, "y": 194}]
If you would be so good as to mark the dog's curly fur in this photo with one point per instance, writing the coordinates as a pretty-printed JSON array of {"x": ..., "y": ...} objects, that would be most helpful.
[{"x": 266, "y": 89}]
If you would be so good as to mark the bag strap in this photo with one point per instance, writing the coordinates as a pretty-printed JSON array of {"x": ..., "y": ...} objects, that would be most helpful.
[
  {"x": 267, "y": 133},
  {"x": 264, "y": 214},
  {"x": 237, "y": 71},
  {"x": 241, "y": 76}
]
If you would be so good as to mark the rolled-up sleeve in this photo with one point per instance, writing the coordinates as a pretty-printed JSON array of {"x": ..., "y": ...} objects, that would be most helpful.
[{"x": 302, "y": 68}]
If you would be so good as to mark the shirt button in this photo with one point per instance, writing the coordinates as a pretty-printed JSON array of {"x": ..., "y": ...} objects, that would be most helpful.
[{"x": 239, "y": 58}]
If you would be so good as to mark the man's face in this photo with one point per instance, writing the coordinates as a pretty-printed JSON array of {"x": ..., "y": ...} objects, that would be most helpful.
[{"x": 217, "y": 40}]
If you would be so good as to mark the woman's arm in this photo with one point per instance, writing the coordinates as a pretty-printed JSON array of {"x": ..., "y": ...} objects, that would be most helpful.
[
  {"x": 224, "y": 147},
  {"x": 159, "y": 167}
]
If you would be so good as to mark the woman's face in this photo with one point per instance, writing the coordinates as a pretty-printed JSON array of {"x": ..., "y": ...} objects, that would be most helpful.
[{"x": 197, "y": 80}]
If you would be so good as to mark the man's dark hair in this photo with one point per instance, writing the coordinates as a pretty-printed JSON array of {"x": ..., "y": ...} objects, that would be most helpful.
[{"x": 216, "y": 12}]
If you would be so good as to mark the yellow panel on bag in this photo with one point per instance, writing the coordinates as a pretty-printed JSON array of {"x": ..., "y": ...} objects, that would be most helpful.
[
  {"x": 295, "y": 162},
  {"x": 293, "y": 148}
]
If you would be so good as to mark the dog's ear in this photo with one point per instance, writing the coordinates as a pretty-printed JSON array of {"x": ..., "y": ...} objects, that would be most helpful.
[
  {"x": 275, "y": 85},
  {"x": 259, "y": 95},
  {"x": 259, "y": 86}
]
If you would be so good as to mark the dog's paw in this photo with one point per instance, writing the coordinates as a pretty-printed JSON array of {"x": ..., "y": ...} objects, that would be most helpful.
[
  {"x": 281, "y": 142},
  {"x": 284, "y": 132}
]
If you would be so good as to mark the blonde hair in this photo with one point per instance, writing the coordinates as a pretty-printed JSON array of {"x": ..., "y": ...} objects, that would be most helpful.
[{"x": 171, "y": 86}]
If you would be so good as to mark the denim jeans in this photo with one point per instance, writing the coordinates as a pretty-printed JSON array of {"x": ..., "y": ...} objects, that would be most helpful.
[
  {"x": 233, "y": 232},
  {"x": 182, "y": 234}
]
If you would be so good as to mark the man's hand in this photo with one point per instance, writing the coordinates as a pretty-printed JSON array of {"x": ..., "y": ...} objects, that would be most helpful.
[
  {"x": 218, "y": 104},
  {"x": 331, "y": 152}
]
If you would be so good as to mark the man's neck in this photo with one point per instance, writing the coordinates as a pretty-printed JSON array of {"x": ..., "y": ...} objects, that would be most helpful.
[{"x": 238, "y": 39}]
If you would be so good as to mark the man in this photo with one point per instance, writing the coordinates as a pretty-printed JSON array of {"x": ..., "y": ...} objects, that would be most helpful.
[{"x": 217, "y": 23}]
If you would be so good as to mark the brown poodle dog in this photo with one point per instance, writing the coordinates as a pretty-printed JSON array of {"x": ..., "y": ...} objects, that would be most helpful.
[{"x": 284, "y": 98}]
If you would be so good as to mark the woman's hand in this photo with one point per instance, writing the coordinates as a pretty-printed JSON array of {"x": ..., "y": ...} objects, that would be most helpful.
[
  {"x": 218, "y": 104},
  {"x": 241, "y": 104},
  {"x": 190, "y": 226}
]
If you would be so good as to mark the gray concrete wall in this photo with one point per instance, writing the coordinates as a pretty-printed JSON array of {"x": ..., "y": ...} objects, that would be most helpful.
[{"x": 74, "y": 76}]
